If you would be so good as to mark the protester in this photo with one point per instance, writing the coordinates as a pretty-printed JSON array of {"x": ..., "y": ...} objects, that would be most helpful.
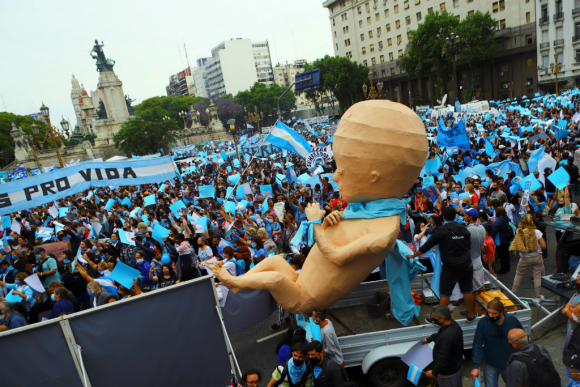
[
  {"x": 62, "y": 304},
  {"x": 448, "y": 350},
  {"x": 295, "y": 371},
  {"x": 326, "y": 372},
  {"x": 12, "y": 319},
  {"x": 251, "y": 378},
  {"x": 490, "y": 343},
  {"x": 328, "y": 337}
]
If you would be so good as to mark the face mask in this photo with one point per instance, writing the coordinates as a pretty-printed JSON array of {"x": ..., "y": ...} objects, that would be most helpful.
[
  {"x": 17, "y": 282},
  {"x": 10, "y": 238},
  {"x": 270, "y": 220},
  {"x": 83, "y": 249},
  {"x": 65, "y": 239},
  {"x": 560, "y": 205},
  {"x": 91, "y": 293},
  {"x": 437, "y": 323},
  {"x": 577, "y": 286},
  {"x": 24, "y": 249},
  {"x": 140, "y": 261},
  {"x": 314, "y": 361},
  {"x": 101, "y": 272},
  {"x": 165, "y": 272},
  {"x": 457, "y": 189},
  {"x": 254, "y": 244},
  {"x": 53, "y": 297},
  {"x": 495, "y": 319},
  {"x": 297, "y": 363}
]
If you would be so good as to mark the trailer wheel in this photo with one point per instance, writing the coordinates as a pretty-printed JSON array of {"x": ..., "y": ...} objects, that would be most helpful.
[{"x": 389, "y": 373}]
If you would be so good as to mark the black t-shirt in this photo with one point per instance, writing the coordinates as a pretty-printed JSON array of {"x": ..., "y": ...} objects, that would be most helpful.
[
  {"x": 163, "y": 282},
  {"x": 454, "y": 243},
  {"x": 74, "y": 282}
]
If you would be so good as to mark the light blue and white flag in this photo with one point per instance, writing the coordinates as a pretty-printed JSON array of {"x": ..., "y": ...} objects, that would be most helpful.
[
  {"x": 46, "y": 188},
  {"x": 285, "y": 137},
  {"x": 414, "y": 374}
]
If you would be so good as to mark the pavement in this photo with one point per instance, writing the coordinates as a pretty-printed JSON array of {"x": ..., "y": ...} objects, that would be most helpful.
[{"x": 262, "y": 355}]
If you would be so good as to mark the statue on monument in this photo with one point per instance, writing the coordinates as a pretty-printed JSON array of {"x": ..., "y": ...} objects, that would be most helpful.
[
  {"x": 101, "y": 111},
  {"x": 130, "y": 108},
  {"x": 103, "y": 64}
]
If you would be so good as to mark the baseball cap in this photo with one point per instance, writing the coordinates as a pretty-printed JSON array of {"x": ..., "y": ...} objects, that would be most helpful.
[
  {"x": 571, "y": 361},
  {"x": 473, "y": 212},
  {"x": 38, "y": 250}
]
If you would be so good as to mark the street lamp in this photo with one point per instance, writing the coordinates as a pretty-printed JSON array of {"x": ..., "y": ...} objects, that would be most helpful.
[
  {"x": 556, "y": 66},
  {"x": 372, "y": 93},
  {"x": 30, "y": 147},
  {"x": 183, "y": 115},
  {"x": 52, "y": 134},
  {"x": 256, "y": 117},
  {"x": 511, "y": 87},
  {"x": 232, "y": 124},
  {"x": 208, "y": 116},
  {"x": 452, "y": 47}
]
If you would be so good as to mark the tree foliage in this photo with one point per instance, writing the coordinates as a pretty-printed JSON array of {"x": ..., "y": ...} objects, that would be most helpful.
[
  {"x": 339, "y": 76},
  {"x": 6, "y": 120},
  {"x": 227, "y": 108},
  {"x": 266, "y": 99},
  {"x": 171, "y": 106},
  {"x": 146, "y": 132}
]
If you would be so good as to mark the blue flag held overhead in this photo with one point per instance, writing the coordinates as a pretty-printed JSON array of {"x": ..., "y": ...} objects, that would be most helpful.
[{"x": 285, "y": 137}]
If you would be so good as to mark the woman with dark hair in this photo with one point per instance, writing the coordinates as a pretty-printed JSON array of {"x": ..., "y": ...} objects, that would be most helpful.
[
  {"x": 29, "y": 256},
  {"x": 167, "y": 278},
  {"x": 259, "y": 253}
]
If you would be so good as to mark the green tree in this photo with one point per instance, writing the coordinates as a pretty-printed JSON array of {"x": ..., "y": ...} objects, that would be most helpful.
[
  {"x": 266, "y": 99},
  {"x": 339, "y": 77},
  {"x": 24, "y": 122},
  {"x": 171, "y": 106},
  {"x": 146, "y": 133},
  {"x": 478, "y": 45}
]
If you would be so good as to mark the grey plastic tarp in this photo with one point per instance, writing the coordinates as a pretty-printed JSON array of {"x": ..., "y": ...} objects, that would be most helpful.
[{"x": 247, "y": 308}]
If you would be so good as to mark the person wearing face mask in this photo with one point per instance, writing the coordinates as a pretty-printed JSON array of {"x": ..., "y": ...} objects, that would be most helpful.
[
  {"x": 328, "y": 337},
  {"x": 258, "y": 250},
  {"x": 62, "y": 304},
  {"x": 167, "y": 277},
  {"x": 326, "y": 373},
  {"x": 97, "y": 294},
  {"x": 448, "y": 349},
  {"x": 139, "y": 263},
  {"x": 47, "y": 268},
  {"x": 20, "y": 288},
  {"x": 12, "y": 320},
  {"x": 295, "y": 372},
  {"x": 29, "y": 257},
  {"x": 490, "y": 343}
]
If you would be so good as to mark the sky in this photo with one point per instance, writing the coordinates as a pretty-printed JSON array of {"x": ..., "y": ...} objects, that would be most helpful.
[{"x": 42, "y": 43}]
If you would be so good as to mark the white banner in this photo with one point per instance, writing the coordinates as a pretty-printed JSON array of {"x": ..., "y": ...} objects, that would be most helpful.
[
  {"x": 318, "y": 155},
  {"x": 315, "y": 120}
]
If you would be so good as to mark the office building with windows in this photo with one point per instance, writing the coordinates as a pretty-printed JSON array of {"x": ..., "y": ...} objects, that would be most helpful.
[
  {"x": 558, "y": 24},
  {"x": 376, "y": 33}
]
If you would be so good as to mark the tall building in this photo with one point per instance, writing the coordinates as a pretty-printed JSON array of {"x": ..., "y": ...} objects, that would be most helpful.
[
  {"x": 376, "y": 33},
  {"x": 558, "y": 38},
  {"x": 200, "y": 81},
  {"x": 285, "y": 75},
  {"x": 85, "y": 113},
  {"x": 237, "y": 64},
  {"x": 181, "y": 84}
]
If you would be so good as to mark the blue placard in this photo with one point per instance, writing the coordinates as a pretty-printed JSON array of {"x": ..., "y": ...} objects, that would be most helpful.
[
  {"x": 240, "y": 192},
  {"x": 266, "y": 190},
  {"x": 176, "y": 207},
  {"x": 206, "y": 191},
  {"x": 124, "y": 274},
  {"x": 559, "y": 178},
  {"x": 126, "y": 202},
  {"x": 109, "y": 204},
  {"x": 234, "y": 178},
  {"x": 62, "y": 211},
  {"x": 149, "y": 200},
  {"x": 159, "y": 232}
]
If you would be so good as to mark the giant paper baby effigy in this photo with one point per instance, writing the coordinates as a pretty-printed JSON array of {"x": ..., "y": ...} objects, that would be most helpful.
[{"x": 379, "y": 149}]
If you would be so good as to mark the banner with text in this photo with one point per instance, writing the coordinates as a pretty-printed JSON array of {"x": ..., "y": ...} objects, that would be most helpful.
[
  {"x": 455, "y": 137},
  {"x": 57, "y": 184}
]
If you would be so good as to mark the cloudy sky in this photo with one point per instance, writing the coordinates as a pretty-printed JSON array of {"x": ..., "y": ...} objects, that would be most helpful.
[{"x": 42, "y": 43}]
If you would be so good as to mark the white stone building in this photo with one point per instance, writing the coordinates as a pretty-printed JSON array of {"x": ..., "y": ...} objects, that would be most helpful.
[
  {"x": 285, "y": 75},
  {"x": 263, "y": 62},
  {"x": 558, "y": 37}
]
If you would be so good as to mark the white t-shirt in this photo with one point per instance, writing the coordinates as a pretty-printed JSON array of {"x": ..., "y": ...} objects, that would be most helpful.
[
  {"x": 527, "y": 255},
  {"x": 417, "y": 245},
  {"x": 510, "y": 210},
  {"x": 205, "y": 254},
  {"x": 231, "y": 267}
]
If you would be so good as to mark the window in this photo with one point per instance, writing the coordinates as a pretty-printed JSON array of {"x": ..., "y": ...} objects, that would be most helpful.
[
  {"x": 373, "y": 61},
  {"x": 386, "y": 13},
  {"x": 344, "y": 16},
  {"x": 577, "y": 56},
  {"x": 396, "y": 9},
  {"x": 495, "y": 7},
  {"x": 545, "y": 62},
  {"x": 370, "y": 34},
  {"x": 561, "y": 57},
  {"x": 502, "y": 24},
  {"x": 455, "y": 3},
  {"x": 470, "y": 14},
  {"x": 378, "y": 31},
  {"x": 400, "y": 53},
  {"x": 362, "y": 37},
  {"x": 408, "y": 20},
  {"x": 392, "y": 71},
  {"x": 529, "y": 39},
  {"x": 335, "y": 34},
  {"x": 365, "y": 63},
  {"x": 544, "y": 11},
  {"x": 360, "y": 24},
  {"x": 409, "y": 35},
  {"x": 529, "y": 62},
  {"x": 418, "y": 16},
  {"x": 359, "y": 10},
  {"x": 529, "y": 81},
  {"x": 527, "y": 17},
  {"x": 368, "y": 20},
  {"x": 442, "y": 7},
  {"x": 377, "y": 17},
  {"x": 372, "y": 48},
  {"x": 417, "y": 2},
  {"x": 336, "y": 46},
  {"x": 381, "y": 44},
  {"x": 384, "y": 73},
  {"x": 504, "y": 68},
  {"x": 389, "y": 27},
  {"x": 349, "y": 54},
  {"x": 347, "y": 42},
  {"x": 458, "y": 17},
  {"x": 364, "y": 50},
  {"x": 345, "y": 30},
  {"x": 406, "y": 4},
  {"x": 399, "y": 39},
  {"x": 502, "y": 5},
  {"x": 391, "y": 56},
  {"x": 382, "y": 59},
  {"x": 342, "y": 4},
  {"x": 333, "y": 22},
  {"x": 398, "y": 24},
  {"x": 430, "y": 10},
  {"x": 367, "y": 7},
  {"x": 389, "y": 42}
]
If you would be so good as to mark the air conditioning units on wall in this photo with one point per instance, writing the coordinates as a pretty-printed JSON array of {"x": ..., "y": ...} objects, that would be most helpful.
[
  {"x": 528, "y": 83},
  {"x": 501, "y": 74},
  {"x": 505, "y": 86}
]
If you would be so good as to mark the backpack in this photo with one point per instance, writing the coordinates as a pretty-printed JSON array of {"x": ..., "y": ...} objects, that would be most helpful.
[
  {"x": 510, "y": 231},
  {"x": 239, "y": 268},
  {"x": 541, "y": 370},
  {"x": 284, "y": 375}
]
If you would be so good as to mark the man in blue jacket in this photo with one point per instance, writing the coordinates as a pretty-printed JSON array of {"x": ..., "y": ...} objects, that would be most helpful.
[{"x": 491, "y": 343}]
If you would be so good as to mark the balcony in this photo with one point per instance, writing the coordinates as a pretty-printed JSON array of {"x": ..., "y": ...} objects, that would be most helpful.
[
  {"x": 544, "y": 45},
  {"x": 544, "y": 20},
  {"x": 558, "y": 42},
  {"x": 576, "y": 13},
  {"x": 576, "y": 39},
  {"x": 558, "y": 16}
]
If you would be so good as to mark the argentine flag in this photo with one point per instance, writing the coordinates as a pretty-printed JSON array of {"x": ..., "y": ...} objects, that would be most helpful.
[
  {"x": 414, "y": 374},
  {"x": 286, "y": 138}
]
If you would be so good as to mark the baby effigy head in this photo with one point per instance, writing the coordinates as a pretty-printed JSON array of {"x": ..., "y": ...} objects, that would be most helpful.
[{"x": 380, "y": 148}]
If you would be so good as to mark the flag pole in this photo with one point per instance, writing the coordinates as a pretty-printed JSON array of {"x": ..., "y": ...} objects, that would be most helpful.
[{"x": 248, "y": 166}]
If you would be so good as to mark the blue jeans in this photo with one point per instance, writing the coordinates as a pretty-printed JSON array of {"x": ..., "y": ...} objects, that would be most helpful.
[{"x": 491, "y": 375}]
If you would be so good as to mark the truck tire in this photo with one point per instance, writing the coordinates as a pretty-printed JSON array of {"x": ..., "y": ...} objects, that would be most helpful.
[{"x": 389, "y": 373}]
